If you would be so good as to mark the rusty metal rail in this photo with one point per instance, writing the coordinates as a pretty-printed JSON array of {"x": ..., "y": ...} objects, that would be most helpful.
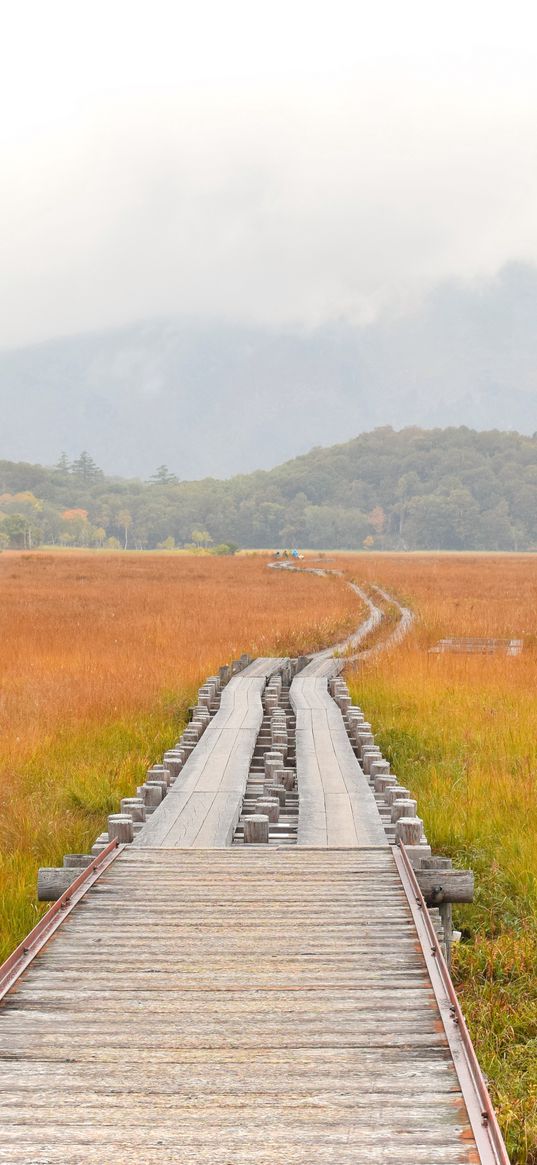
[
  {"x": 23, "y": 955},
  {"x": 487, "y": 1134}
]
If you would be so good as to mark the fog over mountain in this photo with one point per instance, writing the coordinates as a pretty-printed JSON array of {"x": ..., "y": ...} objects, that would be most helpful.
[{"x": 216, "y": 398}]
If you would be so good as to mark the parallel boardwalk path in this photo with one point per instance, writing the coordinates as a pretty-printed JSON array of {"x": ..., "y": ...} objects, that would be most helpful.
[
  {"x": 203, "y": 809},
  {"x": 205, "y": 1003},
  {"x": 336, "y": 806}
]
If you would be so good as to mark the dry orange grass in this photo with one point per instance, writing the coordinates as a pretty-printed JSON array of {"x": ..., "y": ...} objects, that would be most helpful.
[
  {"x": 100, "y": 656},
  {"x": 85, "y": 638}
]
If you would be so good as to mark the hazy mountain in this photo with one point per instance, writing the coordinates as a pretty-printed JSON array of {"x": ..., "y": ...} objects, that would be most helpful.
[{"x": 213, "y": 398}]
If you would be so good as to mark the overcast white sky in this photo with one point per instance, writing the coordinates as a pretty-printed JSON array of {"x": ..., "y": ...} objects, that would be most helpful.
[{"x": 276, "y": 161}]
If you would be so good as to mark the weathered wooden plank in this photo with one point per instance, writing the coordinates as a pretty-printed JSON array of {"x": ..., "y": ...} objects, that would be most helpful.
[
  {"x": 206, "y": 1007},
  {"x": 336, "y": 805},
  {"x": 195, "y": 813}
]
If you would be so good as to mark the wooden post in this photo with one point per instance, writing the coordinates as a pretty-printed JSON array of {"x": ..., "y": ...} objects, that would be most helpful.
[
  {"x": 369, "y": 754},
  {"x": 439, "y": 886},
  {"x": 201, "y": 714},
  {"x": 192, "y": 734},
  {"x": 417, "y": 854},
  {"x": 393, "y": 792},
  {"x": 152, "y": 794},
  {"x": 120, "y": 827},
  {"x": 403, "y": 807},
  {"x": 280, "y": 742},
  {"x": 363, "y": 740},
  {"x": 379, "y": 768},
  {"x": 134, "y": 807},
  {"x": 53, "y": 881},
  {"x": 445, "y": 908},
  {"x": 159, "y": 773},
  {"x": 408, "y": 830},
  {"x": 206, "y": 696},
  {"x": 256, "y": 829},
  {"x": 272, "y": 761},
  {"x": 270, "y": 806},
  {"x": 174, "y": 762},
  {"x": 76, "y": 861},
  {"x": 383, "y": 782},
  {"x": 279, "y": 791},
  {"x": 162, "y": 784},
  {"x": 285, "y": 777}
]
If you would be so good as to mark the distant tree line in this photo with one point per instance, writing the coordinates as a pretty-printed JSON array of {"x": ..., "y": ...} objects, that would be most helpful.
[{"x": 453, "y": 489}]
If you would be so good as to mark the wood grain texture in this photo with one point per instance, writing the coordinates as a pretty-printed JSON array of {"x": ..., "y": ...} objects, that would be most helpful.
[
  {"x": 203, "y": 806},
  {"x": 218, "y": 1006},
  {"x": 336, "y": 804}
]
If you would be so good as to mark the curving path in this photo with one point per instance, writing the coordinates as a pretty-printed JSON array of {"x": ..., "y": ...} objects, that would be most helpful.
[{"x": 333, "y": 659}]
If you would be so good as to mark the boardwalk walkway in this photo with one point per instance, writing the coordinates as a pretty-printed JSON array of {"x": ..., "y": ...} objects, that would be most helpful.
[
  {"x": 210, "y": 1004},
  {"x": 204, "y": 807},
  {"x": 336, "y": 805},
  {"x": 245, "y": 1007}
]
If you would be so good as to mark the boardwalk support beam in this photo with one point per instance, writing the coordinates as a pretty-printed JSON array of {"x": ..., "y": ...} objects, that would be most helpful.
[{"x": 438, "y": 886}]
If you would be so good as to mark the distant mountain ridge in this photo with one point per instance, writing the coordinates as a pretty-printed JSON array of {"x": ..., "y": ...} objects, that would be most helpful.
[{"x": 213, "y": 398}]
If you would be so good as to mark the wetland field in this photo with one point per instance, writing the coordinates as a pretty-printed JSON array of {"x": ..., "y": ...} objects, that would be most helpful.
[{"x": 101, "y": 655}]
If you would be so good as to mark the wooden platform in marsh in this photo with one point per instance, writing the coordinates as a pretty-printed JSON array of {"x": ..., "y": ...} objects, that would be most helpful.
[
  {"x": 202, "y": 809},
  {"x": 210, "y": 1004},
  {"x": 336, "y": 805},
  {"x": 245, "y": 1006}
]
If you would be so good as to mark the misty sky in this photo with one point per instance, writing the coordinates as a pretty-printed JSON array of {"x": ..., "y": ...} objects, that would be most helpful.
[{"x": 273, "y": 162}]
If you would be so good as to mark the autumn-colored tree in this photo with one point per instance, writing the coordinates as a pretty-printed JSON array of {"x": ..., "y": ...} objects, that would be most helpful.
[
  {"x": 377, "y": 519},
  {"x": 75, "y": 515}
]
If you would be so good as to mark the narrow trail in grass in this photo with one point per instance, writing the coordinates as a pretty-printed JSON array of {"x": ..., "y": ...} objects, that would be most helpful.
[{"x": 376, "y": 621}]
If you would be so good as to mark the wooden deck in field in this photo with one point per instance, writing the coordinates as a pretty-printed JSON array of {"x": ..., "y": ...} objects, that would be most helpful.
[
  {"x": 202, "y": 809},
  {"x": 221, "y": 1007},
  {"x": 336, "y": 805},
  {"x": 203, "y": 1004}
]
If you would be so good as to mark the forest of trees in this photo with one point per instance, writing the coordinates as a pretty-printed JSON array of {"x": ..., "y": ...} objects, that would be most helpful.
[{"x": 454, "y": 489}]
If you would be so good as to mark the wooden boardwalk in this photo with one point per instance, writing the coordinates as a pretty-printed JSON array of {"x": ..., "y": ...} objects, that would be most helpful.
[
  {"x": 246, "y": 1007},
  {"x": 203, "y": 808},
  {"x": 336, "y": 805},
  {"x": 203, "y": 1004}
]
